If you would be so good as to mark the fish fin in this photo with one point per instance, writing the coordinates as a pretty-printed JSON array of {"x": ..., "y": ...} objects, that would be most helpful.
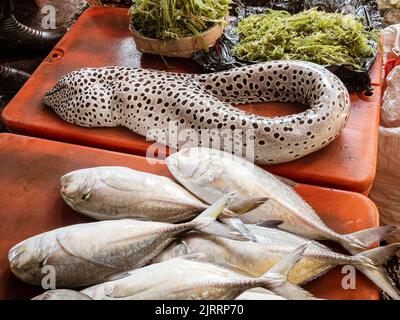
[
  {"x": 287, "y": 263},
  {"x": 270, "y": 224},
  {"x": 119, "y": 182},
  {"x": 195, "y": 256},
  {"x": 212, "y": 212},
  {"x": 360, "y": 241},
  {"x": 276, "y": 279},
  {"x": 243, "y": 233},
  {"x": 139, "y": 219},
  {"x": 254, "y": 295},
  {"x": 117, "y": 276},
  {"x": 368, "y": 263},
  {"x": 225, "y": 231},
  {"x": 244, "y": 206},
  {"x": 288, "y": 182}
]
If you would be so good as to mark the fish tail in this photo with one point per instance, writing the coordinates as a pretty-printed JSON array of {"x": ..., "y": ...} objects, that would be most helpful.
[
  {"x": 231, "y": 213},
  {"x": 276, "y": 279},
  {"x": 368, "y": 263},
  {"x": 244, "y": 206},
  {"x": 229, "y": 230},
  {"x": 238, "y": 229},
  {"x": 211, "y": 213},
  {"x": 360, "y": 241}
]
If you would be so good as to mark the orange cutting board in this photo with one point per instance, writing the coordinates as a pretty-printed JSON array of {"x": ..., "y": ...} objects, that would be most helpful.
[
  {"x": 30, "y": 170},
  {"x": 101, "y": 37}
]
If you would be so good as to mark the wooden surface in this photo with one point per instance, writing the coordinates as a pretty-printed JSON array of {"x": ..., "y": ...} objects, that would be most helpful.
[
  {"x": 101, "y": 37},
  {"x": 30, "y": 170}
]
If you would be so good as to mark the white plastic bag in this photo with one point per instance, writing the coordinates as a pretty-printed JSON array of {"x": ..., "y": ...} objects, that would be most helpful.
[
  {"x": 386, "y": 189},
  {"x": 390, "y": 114}
]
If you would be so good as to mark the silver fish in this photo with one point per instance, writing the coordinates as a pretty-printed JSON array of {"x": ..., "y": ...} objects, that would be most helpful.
[
  {"x": 90, "y": 253},
  {"x": 150, "y": 103},
  {"x": 106, "y": 193},
  {"x": 272, "y": 245},
  {"x": 62, "y": 294},
  {"x": 178, "y": 279},
  {"x": 209, "y": 174},
  {"x": 259, "y": 294}
]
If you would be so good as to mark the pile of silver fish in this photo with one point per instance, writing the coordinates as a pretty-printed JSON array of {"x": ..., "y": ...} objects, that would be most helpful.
[{"x": 226, "y": 230}]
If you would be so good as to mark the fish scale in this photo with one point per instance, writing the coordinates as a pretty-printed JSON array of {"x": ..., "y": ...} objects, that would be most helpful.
[{"x": 148, "y": 102}]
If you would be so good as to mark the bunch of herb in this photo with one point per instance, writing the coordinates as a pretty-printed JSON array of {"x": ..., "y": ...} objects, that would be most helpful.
[
  {"x": 312, "y": 35},
  {"x": 174, "y": 19}
]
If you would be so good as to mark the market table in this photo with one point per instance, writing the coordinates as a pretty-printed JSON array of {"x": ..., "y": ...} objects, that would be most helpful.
[
  {"x": 101, "y": 37},
  {"x": 30, "y": 170}
]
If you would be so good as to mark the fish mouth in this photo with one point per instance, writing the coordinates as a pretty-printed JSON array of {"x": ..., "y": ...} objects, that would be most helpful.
[
  {"x": 67, "y": 197},
  {"x": 54, "y": 90},
  {"x": 15, "y": 257}
]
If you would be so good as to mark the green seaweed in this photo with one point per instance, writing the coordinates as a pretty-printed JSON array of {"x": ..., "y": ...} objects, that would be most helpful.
[
  {"x": 174, "y": 19},
  {"x": 312, "y": 35}
]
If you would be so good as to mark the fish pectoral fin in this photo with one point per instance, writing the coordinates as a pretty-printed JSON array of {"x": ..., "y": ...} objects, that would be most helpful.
[
  {"x": 119, "y": 182},
  {"x": 117, "y": 276},
  {"x": 288, "y": 182},
  {"x": 77, "y": 252},
  {"x": 270, "y": 224},
  {"x": 195, "y": 256}
]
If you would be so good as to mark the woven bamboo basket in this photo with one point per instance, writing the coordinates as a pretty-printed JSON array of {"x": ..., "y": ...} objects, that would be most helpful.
[{"x": 182, "y": 48}]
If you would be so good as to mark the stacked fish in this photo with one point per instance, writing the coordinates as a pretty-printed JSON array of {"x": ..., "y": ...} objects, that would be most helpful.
[{"x": 161, "y": 240}]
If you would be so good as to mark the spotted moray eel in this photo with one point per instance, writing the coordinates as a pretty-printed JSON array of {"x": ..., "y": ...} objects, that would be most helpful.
[{"x": 148, "y": 102}]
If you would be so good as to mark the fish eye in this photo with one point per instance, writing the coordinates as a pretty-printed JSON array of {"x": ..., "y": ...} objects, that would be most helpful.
[{"x": 85, "y": 196}]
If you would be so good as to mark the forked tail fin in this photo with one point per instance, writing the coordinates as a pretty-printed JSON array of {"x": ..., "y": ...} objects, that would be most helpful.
[
  {"x": 360, "y": 241},
  {"x": 230, "y": 216},
  {"x": 234, "y": 228},
  {"x": 369, "y": 263},
  {"x": 276, "y": 279}
]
